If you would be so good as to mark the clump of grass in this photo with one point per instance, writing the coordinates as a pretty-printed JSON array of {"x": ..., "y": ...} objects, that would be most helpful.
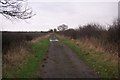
[{"x": 105, "y": 65}]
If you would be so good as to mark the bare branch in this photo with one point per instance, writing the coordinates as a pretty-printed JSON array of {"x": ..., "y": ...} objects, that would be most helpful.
[{"x": 15, "y": 8}]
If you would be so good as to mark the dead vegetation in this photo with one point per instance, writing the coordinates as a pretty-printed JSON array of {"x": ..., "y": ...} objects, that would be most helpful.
[
  {"x": 94, "y": 44},
  {"x": 94, "y": 47},
  {"x": 39, "y": 38},
  {"x": 15, "y": 57}
]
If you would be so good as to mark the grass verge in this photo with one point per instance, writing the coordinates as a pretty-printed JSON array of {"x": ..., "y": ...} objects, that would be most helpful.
[
  {"x": 32, "y": 61},
  {"x": 98, "y": 61},
  {"x": 39, "y": 49}
]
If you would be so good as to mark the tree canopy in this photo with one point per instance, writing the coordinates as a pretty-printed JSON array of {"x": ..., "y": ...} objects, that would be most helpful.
[{"x": 62, "y": 27}]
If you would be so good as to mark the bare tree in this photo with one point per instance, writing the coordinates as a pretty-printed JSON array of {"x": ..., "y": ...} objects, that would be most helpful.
[
  {"x": 17, "y": 9},
  {"x": 62, "y": 27}
]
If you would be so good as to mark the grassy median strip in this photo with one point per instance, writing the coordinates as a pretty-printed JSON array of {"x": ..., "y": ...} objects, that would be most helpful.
[{"x": 96, "y": 60}]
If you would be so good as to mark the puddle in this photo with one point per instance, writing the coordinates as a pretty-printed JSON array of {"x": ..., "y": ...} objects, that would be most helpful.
[{"x": 52, "y": 40}]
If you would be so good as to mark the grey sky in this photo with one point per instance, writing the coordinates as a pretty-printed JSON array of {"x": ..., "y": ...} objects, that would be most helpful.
[
  {"x": 51, "y": 14},
  {"x": 73, "y": 0}
]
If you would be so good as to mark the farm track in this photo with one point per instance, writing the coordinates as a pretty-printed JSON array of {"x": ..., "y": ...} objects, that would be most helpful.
[{"x": 62, "y": 62}]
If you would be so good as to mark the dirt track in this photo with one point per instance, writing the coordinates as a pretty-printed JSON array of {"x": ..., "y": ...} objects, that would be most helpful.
[{"x": 62, "y": 62}]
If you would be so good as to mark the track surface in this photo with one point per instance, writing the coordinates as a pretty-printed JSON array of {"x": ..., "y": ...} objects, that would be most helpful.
[{"x": 62, "y": 62}]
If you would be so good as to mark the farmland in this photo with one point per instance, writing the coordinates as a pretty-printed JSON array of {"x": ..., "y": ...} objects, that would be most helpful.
[{"x": 14, "y": 39}]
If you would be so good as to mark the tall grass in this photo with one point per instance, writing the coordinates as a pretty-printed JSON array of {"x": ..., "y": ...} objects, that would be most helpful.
[{"x": 14, "y": 59}]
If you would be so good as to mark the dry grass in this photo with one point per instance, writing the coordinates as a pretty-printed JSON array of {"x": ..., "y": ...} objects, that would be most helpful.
[
  {"x": 97, "y": 45},
  {"x": 15, "y": 57},
  {"x": 93, "y": 46},
  {"x": 39, "y": 38}
]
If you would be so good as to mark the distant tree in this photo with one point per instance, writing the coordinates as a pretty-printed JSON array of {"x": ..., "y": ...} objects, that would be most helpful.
[
  {"x": 17, "y": 9},
  {"x": 89, "y": 30},
  {"x": 62, "y": 27},
  {"x": 55, "y": 30},
  {"x": 50, "y": 30},
  {"x": 71, "y": 33}
]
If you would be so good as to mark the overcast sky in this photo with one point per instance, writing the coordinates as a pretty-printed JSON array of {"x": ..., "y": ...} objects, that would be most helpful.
[{"x": 52, "y": 13}]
